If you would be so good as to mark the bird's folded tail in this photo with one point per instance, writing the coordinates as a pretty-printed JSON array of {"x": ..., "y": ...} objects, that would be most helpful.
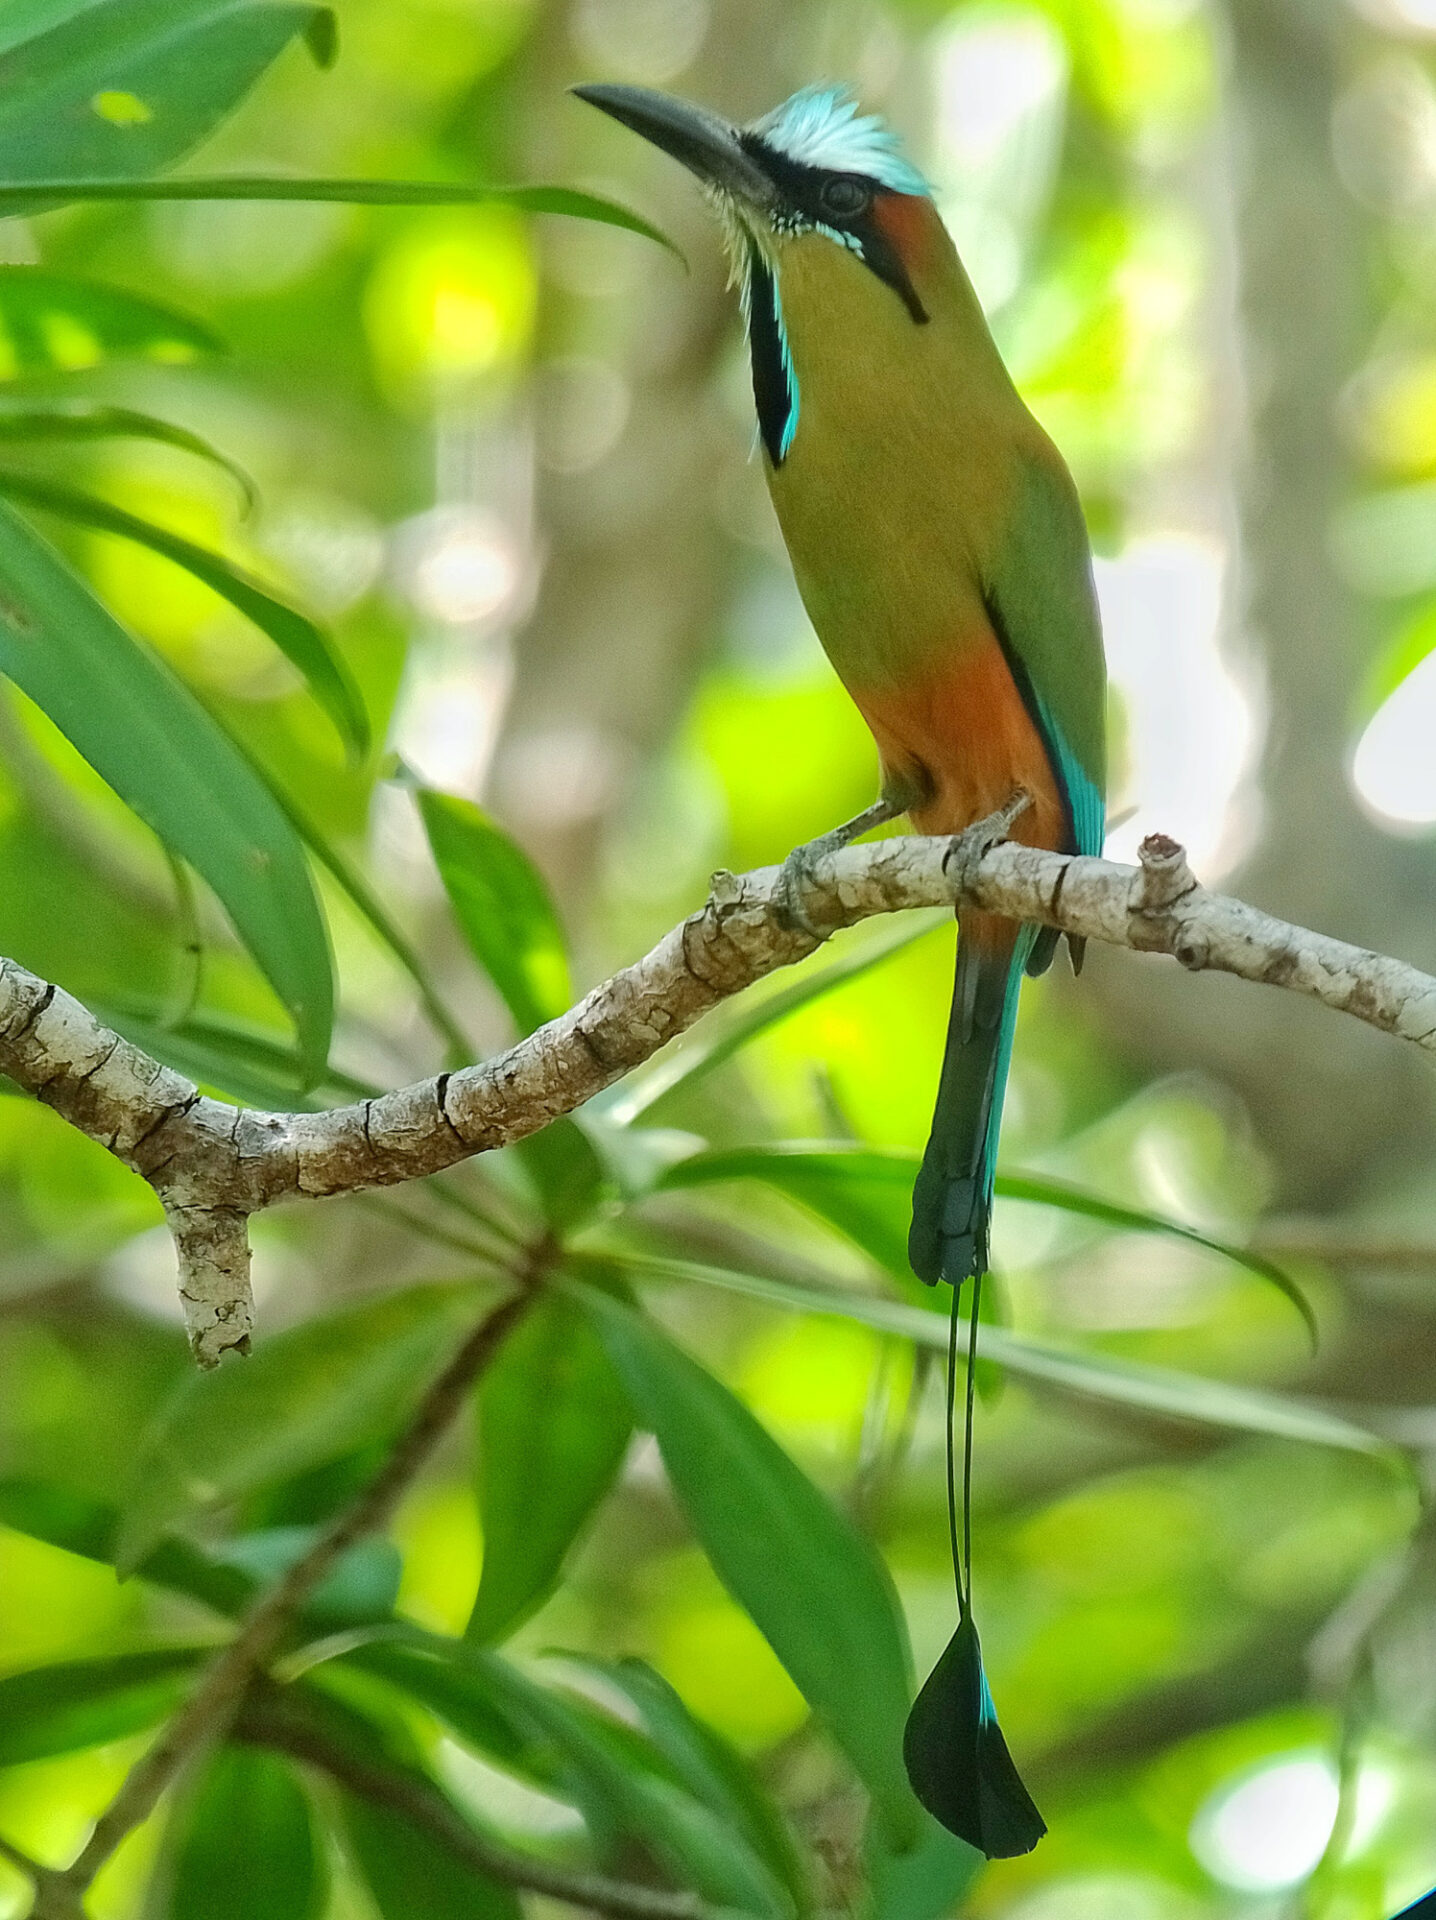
[{"x": 952, "y": 1200}]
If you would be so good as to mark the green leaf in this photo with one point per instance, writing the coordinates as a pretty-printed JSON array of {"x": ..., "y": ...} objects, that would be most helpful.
[
  {"x": 90, "y": 1528},
  {"x": 305, "y": 645},
  {"x": 86, "y": 1703},
  {"x": 926, "y": 1882},
  {"x": 247, "y": 1848},
  {"x": 1097, "y": 1376},
  {"x": 411, "y": 1876},
  {"x": 51, "y": 323},
  {"x": 81, "y": 420},
  {"x": 1043, "y": 1192},
  {"x": 812, "y": 1584},
  {"x": 619, "y": 1779},
  {"x": 371, "y": 908},
  {"x": 718, "y": 1040},
  {"x": 361, "y": 1588},
  {"x": 22, "y": 193},
  {"x": 503, "y": 907},
  {"x": 553, "y": 1427},
  {"x": 713, "y": 1772},
  {"x": 143, "y": 731},
  {"x": 565, "y": 1171},
  {"x": 867, "y": 1194},
  {"x": 236, "y": 1060},
  {"x": 308, "y": 1396},
  {"x": 128, "y": 87}
]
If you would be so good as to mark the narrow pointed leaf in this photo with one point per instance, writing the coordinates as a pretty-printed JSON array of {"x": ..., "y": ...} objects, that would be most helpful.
[
  {"x": 925, "y": 1882},
  {"x": 309, "y": 1395},
  {"x": 128, "y": 87},
  {"x": 812, "y": 1584},
  {"x": 719, "y": 1040},
  {"x": 504, "y": 909},
  {"x": 614, "y": 1773},
  {"x": 22, "y": 192},
  {"x": 713, "y": 1771},
  {"x": 553, "y": 1426},
  {"x": 304, "y": 644},
  {"x": 247, "y": 1846},
  {"x": 145, "y": 734},
  {"x": 867, "y": 1194},
  {"x": 52, "y": 323},
  {"x": 233, "y": 1059},
  {"x": 86, "y": 1703},
  {"x": 412, "y": 1877},
  {"x": 1097, "y": 1376},
  {"x": 82, "y": 420}
]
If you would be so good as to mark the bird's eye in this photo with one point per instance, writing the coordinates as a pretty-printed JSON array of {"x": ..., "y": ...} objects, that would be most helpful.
[{"x": 844, "y": 197}]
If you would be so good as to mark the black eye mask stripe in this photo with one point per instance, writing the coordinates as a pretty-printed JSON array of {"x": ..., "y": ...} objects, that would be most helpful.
[{"x": 801, "y": 188}]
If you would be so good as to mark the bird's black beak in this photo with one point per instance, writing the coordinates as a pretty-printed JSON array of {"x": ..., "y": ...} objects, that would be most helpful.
[{"x": 708, "y": 146}]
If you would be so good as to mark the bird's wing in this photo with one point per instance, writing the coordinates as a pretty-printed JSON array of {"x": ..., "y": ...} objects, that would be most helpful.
[{"x": 1043, "y": 606}]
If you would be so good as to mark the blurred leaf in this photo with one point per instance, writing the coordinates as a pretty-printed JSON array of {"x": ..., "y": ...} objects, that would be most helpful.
[
  {"x": 81, "y": 1525},
  {"x": 412, "y": 1877},
  {"x": 305, "y": 645},
  {"x": 462, "y": 1695},
  {"x": 718, "y": 1040},
  {"x": 810, "y": 1581},
  {"x": 565, "y": 1171},
  {"x": 127, "y": 87},
  {"x": 867, "y": 1194},
  {"x": 361, "y": 1588},
  {"x": 247, "y": 1849},
  {"x": 1098, "y": 1376},
  {"x": 553, "y": 1427},
  {"x": 372, "y": 909},
  {"x": 1091, "y": 1206},
  {"x": 50, "y": 323},
  {"x": 614, "y": 1773},
  {"x": 86, "y": 1703},
  {"x": 144, "y": 733},
  {"x": 239, "y": 1061},
  {"x": 503, "y": 907},
  {"x": 80, "y": 420},
  {"x": 924, "y": 1883},
  {"x": 308, "y": 1395},
  {"x": 22, "y": 192},
  {"x": 713, "y": 1771}
]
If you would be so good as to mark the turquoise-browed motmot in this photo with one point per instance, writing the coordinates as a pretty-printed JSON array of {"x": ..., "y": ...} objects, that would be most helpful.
[{"x": 942, "y": 556}]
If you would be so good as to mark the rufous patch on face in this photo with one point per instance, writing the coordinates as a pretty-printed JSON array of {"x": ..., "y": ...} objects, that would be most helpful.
[{"x": 910, "y": 224}]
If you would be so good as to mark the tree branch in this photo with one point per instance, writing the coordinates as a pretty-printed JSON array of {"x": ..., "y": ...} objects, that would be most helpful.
[
  {"x": 208, "y": 1712},
  {"x": 213, "y": 1164}
]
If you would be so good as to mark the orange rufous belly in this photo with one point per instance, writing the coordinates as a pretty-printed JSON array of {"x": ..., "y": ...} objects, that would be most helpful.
[{"x": 960, "y": 735}]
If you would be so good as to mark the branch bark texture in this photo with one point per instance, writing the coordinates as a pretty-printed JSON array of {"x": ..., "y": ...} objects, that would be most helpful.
[{"x": 213, "y": 1164}]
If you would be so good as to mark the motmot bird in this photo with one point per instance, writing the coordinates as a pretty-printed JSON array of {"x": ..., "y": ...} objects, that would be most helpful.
[{"x": 940, "y": 550}]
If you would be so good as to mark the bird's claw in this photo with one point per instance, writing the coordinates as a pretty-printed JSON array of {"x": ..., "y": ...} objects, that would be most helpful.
[
  {"x": 968, "y": 848},
  {"x": 797, "y": 872}
]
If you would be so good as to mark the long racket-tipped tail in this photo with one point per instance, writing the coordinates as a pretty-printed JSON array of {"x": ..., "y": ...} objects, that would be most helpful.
[{"x": 952, "y": 1200}]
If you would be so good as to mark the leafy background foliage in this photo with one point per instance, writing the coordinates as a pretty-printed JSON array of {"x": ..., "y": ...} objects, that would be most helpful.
[{"x": 392, "y": 640}]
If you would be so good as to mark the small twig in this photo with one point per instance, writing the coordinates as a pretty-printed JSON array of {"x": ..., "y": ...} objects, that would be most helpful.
[
  {"x": 209, "y": 1710},
  {"x": 418, "y": 1801}
]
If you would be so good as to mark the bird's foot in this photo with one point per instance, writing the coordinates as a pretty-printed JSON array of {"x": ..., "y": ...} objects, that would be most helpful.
[
  {"x": 799, "y": 872},
  {"x": 965, "y": 854}
]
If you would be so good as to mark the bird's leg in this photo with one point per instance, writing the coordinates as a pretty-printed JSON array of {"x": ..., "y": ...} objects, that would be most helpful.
[
  {"x": 799, "y": 869},
  {"x": 968, "y": 847}
]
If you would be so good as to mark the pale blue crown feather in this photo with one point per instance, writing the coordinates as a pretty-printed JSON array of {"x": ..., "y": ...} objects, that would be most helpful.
[{"x": 821, "y": 127}]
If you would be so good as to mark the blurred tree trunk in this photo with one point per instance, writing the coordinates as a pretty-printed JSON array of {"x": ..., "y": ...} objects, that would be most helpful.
[
  {"x": 1336, "y": 1107},
  {"x": 638, "y": 559}
]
